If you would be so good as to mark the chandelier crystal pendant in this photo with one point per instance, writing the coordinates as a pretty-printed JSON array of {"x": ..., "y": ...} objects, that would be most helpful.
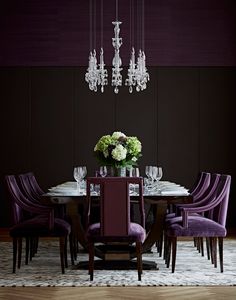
[
  {"x": 142, "y": 76},
  {"x": 92, "y": 72},
  {"x": 97, "y": 74},
  {"x": 131, "y": 80},
  {"x": 102, "y": 72}
]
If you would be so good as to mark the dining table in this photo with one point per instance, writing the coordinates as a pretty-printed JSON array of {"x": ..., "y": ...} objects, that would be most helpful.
[{"x": 159, "y": 195}]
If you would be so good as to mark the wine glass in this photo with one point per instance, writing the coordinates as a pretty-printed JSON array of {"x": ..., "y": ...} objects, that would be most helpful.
[
  {"x": 148, "y": 172},
  {"x": 75, "y": 174},
  {"x": 103, "y": 171},
  {"x": 134, "y": 172},
  {"x": 159, "y": 173},
  {"x": 79, "y": 174}
]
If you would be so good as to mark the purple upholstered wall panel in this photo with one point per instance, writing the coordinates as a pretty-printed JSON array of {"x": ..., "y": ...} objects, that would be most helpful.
[{"x": 177, "y": 33}]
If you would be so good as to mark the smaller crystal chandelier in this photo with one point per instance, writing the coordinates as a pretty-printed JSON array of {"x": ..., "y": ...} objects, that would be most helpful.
[
  {"x": 96, "y": 74},
  {"x": 116, "y": 62}
]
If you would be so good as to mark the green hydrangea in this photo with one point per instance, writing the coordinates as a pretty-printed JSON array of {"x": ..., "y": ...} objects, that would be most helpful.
[
  {"x": 134, "y": 146},
  {"x": 103, "y": 143}
]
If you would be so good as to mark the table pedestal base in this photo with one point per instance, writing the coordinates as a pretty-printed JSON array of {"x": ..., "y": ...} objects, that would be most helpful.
[{"x": 116, "y": 265}]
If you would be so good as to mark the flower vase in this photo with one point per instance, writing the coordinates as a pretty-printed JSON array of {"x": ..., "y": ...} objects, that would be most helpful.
[{"x": 118, "y": 172}]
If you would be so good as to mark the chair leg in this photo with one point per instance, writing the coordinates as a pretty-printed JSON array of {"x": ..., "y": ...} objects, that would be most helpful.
[
  {"x": 31, "y": 243},
  {"x": 208, "y": 247},
  {"x": 201, "y": 245},
  {"x": 197, "y": 244},
  {"x": 160, "y": 245},
  {"x": 27, "y": 250},
  {"x": 211, "y": 250},
  {"x": 174, "y": 246},
  {"x": 165, "y": 252},
  {"x": 168, "y": 251},
  {"x": 91, "y": 259},
  {"x": 62, "y": 247},
  {"x": 15, "y": 242},
  {"x": 65, "y": 253},
  {"x": 220, "y": 243},
  {"x": 19, "y": 252},
  {"x": 75, "y": 250},
  {"x": 71, "y": 249},
  {"x": 34, "y": 246},
  {"x": 214, "y": 251},
  {"x": 139, "y": 259}
]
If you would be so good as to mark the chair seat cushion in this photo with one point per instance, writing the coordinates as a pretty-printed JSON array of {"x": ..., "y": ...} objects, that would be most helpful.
[
  {"x": 38, "y": 226},
  {"x": 176, "y": 219},
  {"x": 136, "y": 233},
  {"x": 197, "y": 227}
]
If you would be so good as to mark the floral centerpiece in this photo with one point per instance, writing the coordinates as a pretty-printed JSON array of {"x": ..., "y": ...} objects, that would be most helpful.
[{"x": 118, "y": 150}]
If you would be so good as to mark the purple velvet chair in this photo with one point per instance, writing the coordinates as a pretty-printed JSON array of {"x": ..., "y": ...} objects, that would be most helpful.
[
  {"x": 41, "y": 224},
  {"x": 115, "y": 224},
  {"x": 27, "y": 188},
  {"x": 211, "y": 226},
  {"x": 201, "y": 183},
  {"x": 34, "y": 183},
  {"x": 206, "y": 198},
  {"x": 198, "y": 190}
]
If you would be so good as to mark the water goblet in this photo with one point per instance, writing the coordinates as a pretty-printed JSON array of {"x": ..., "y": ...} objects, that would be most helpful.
[
  {"x": 75, "y": 174},
  {"x": 159, "y": 173},
  {"x": 103, "y": 171},
  {"x": 148, "y": 172},
  {"x": 79, "y": 174}
]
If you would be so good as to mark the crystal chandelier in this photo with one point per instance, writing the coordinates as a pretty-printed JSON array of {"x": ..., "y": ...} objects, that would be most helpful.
[{"x": 97, "y": 74}]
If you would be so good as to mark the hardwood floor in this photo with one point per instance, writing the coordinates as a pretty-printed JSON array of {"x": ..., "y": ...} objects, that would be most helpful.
[{"x": 127, "y": 293}]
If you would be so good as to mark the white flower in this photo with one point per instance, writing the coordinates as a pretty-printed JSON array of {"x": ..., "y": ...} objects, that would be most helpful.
[
  {"x": 119, "y": 153},
  {"x": 117, "y": 134},
  {"x": 134, "y": 159}
]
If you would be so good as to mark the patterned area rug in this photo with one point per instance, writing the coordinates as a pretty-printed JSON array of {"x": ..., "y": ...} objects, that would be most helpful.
[{"x": 191, "y": 269}]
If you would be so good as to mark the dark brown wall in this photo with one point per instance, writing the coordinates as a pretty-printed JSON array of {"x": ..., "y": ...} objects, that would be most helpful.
[{"x": 50, "y": 121}]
